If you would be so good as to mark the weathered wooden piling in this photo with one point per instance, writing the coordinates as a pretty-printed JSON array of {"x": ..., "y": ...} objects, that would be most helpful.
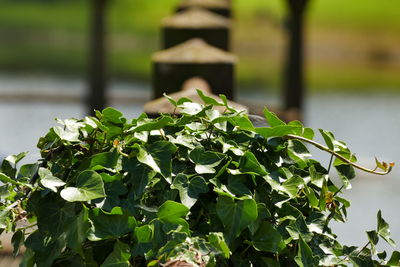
[
  {"x": 173, "y": 66},
  {"x": 96, "y": 98},
  {"x": 221, "y": 7},
  {"x": 196, "y": 23}
]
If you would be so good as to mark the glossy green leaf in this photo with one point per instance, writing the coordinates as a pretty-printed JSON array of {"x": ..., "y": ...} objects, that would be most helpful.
[
  {"x": 17, "y": 241},
  {"x": 172, "y": 212},
  {"x": 328, "y": 138},
  {"x": 76, "y": 232},
  {"x": 112, "y": 224},
  {"x": 89, "y": 185},
  {"x": 152, "y": 125},
  {"x": 346, "y": 173},
  {"x": 299, "y": 153},
  {"x": 217, "y": 240},
  {"x": 394, "y": 259},
  {"x": 119, "y": 257},
  {"x": 272, "y": 119},
  {"x": 292, "y": 185},
  {"x": 139, "y": 175},
  {"x": 208, "y": 100},
  {"x": 100, "y": 161},
  {"x": 235, "y": 215},
  {"x": 383, "y": 229},
  {"x": 48, "y": 180},
  {"x": 158, "y": 156},
  {"x": 268, "y": 238},
  {"x": 5, "y": 179},
  {"x": 249, "y": 164},
  {"x": 14, "y": 159},
  {"x": 144, "y": 234},
  {"x": 298, "y": 228},
  {"x": 112, "y": 115},
  {"x": 205, "y": 161},
  {"x": 189, "y": 188},
  {"x": 305, "y": 256}
]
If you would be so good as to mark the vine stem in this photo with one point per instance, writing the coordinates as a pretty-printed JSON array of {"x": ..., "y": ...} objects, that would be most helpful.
[{"x": 324, "y": 148}]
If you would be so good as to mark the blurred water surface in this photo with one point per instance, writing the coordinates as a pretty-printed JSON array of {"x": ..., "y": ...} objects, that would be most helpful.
[{"x": 369, "y": 124}]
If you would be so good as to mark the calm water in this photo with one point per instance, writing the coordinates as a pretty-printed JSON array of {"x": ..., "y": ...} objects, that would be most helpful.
[{"x": 369, "y": 124}]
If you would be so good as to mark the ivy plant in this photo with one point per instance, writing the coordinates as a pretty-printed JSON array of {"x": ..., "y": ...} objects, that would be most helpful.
[{"x": 203, "y": 189}]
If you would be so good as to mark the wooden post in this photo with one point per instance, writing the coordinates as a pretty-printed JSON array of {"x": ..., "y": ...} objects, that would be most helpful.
[
  {"x": 97, "y": 58},
  {"x": 173, "y": 66},
  {"x": 221, "y": 7},
  {"x": 294, "y": 76},
  {"x": 196, "y": 23}
]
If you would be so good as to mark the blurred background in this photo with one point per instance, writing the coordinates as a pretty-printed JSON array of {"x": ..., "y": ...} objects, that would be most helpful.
[{"x": 352, "y": 76}]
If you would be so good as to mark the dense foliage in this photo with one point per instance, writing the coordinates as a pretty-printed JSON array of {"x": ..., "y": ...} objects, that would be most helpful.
[{"x": 205, "y": 188}]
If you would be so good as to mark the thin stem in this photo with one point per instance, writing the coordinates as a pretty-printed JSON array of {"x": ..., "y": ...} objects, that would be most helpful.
[
  {"x": 337, "y": 192},
  {"x": 330, "y": 164},
  {"x": 290, "y": 136},
  {"x": 364, "y": 247}
]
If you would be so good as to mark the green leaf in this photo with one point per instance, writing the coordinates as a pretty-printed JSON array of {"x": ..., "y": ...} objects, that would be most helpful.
[
  {"x": 144, "y": 234},
  {"x": 242, "y": 122},
  {"x": 346, "y": 173},
  {"x": 383, "y": 229},
  {"x": 76, "y": 231},
  {"x": 89, "y": 185},
  {"x": 316, "y": 177},
  {"x": 305, "y": 256},
  {"x": 17, "y": 241},
  {"x": 394, "y": 259},
  {"x": 28, "y": 170},
  {"x": 208, "y": 100},
  {"x": 158, "y": 156},
  {"x": 299, "y": 153},
  {"x": 48, "y": 180},
  {"x": 46, "y": 249},
  {"x": 172, "y": 212},
  {"x": 100, "y": 161},
  {"x": 119, "y": 257},
  {"x": 5, "y": 179},
  {"x": 151, "y": 125},
  {"x": 139, "y": 175},
  {"x": 170, "y": 99},
  {"x": 329, "y": 139},
  {"x": 235, "y": 215},
  {"x": 272, "y": 119},
  {"x": 191, "y": 108},
  {"x": 70, "y": 135},
  {"x": 267, "y": 238},
  {"x": 292, "y": 185},
  {"x": 362, "y": 259},
  {"x": 299, "y": 228},
  {"x": 373, "y": 240},
  {"x": 189, "y": 189},
  {"x": 112, "y": 224},
  {"x": 14, "y": 159},
  {"x": 205, "y": 160},
  {"x": 112, "y": 115},
  {"x": 217, "y": 240},
  {"x": 308, "y": 133},
  {"x": 278, "y": 131},
  {"x": 249, "y": 164}
]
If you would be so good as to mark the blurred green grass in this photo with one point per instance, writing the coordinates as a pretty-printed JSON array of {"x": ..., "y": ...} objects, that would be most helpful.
[{"x": 51, "y": 36}]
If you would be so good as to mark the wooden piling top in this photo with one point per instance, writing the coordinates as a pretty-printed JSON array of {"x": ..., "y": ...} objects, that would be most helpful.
[
  {"x": 196, "y": 18},
  {"x": 194, "y": 51},
  {"x": 206, "y": 3}
]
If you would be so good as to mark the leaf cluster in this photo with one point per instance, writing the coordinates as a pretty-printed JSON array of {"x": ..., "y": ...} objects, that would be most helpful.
[{"x": 206, "y": 188}]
